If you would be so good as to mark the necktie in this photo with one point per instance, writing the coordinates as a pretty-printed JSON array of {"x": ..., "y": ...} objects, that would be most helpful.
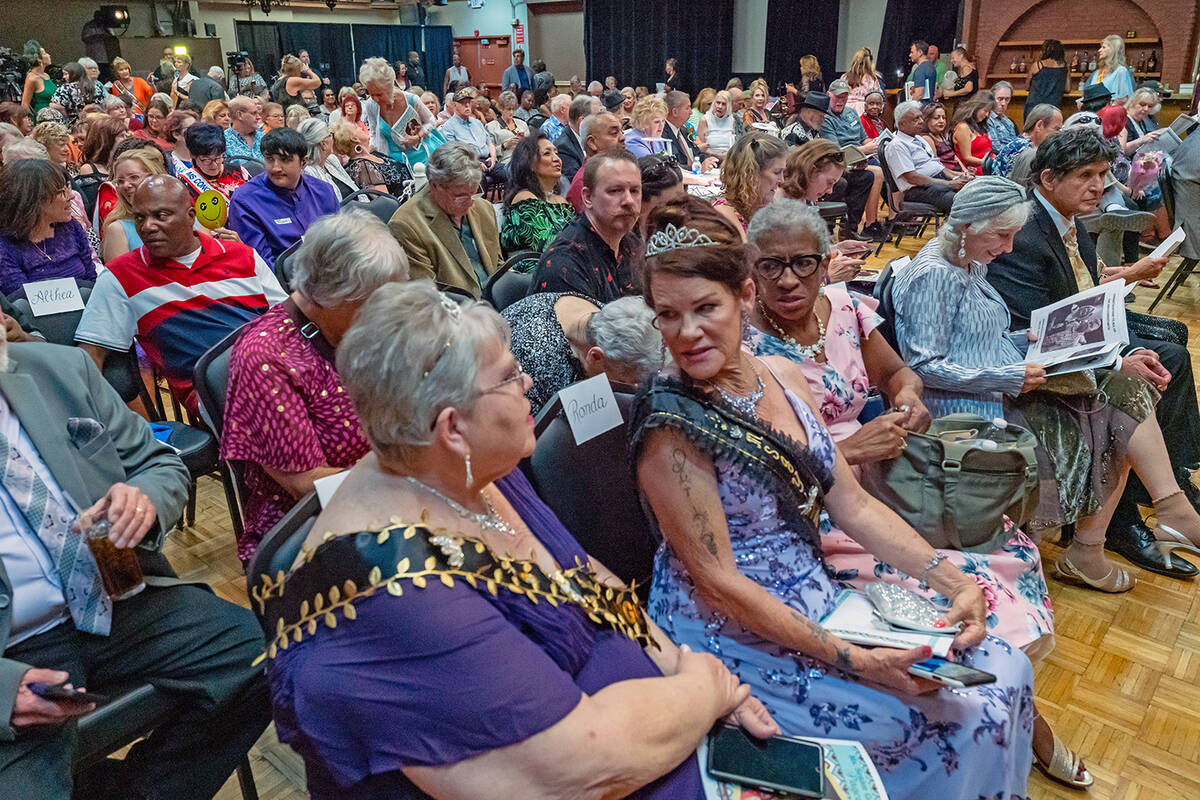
[
  {"x": 1083, "y": 278},
  {"x": 78, "y": 575}
]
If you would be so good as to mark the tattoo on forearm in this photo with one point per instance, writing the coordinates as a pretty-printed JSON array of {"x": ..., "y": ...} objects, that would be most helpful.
[
  {"x": 843, "y": 660},
  {"x": 700, "y": 517},
  {"x": 813, "y": 629}
]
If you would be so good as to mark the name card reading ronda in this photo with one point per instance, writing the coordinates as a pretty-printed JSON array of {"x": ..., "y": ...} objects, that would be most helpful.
[
  {"x": 55, "y": 296},
  {"x": 590, "y": 407}
]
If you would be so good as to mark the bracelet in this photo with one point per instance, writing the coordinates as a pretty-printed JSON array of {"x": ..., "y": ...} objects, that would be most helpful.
[{"x": 933, "y": 562}]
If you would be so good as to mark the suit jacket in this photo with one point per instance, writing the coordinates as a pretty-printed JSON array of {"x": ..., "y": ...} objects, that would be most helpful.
[
  {"x": 1038, "y": 271},
  {"x": 683, "y": 153},
  {"x": 569, "y": 152},
  {"x": 46, "y": 385},
  {"x": 434, "y": 249}
]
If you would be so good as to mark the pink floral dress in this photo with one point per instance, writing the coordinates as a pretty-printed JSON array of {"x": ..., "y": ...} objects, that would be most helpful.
[{"x": 1018, "y": 601}]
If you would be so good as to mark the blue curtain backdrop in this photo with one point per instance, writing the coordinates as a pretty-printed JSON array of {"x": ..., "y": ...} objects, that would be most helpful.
[
  {"x": 906, "y": 20},
  {"x": 632, "y": 40},
  {"x": 796, "y": 28},
  {"x": 439, "y": 46}
]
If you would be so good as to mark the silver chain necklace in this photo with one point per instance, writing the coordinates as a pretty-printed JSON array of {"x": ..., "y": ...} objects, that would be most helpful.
[
  {"x": 748, "y": 403},
  {"x": 490, "y": 520},
  {"x": 807, "y": 351}
]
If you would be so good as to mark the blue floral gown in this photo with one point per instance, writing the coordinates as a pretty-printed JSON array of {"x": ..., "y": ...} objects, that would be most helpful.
[{"x": 964, "y": 744}]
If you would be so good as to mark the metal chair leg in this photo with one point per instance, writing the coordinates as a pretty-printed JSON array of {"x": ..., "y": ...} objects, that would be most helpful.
[
  {"x": 1180, "y": 274},
  {"x": 246, "y": 780},
  {"x": 190, "y": 512}
]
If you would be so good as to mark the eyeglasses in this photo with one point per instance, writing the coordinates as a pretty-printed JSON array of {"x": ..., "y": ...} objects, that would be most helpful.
[
  {"x": 518, "y": 374},
  {"x": 802, "y": 265},
  {"x": 209, "y": 161}
]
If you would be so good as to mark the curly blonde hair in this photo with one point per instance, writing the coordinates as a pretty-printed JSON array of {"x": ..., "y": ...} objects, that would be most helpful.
[
  {"x": 743, "y": 164},
  {"x": 645, "y": 109}
]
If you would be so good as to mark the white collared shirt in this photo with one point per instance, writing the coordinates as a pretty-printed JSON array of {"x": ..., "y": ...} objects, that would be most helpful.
[{"x": 1060, "y": 222}]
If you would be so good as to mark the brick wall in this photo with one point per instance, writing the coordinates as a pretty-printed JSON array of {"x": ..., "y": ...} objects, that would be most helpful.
[{"x": 1175, "y": 22}]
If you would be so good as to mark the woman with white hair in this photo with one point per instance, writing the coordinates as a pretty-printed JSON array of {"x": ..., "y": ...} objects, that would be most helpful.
[
  {"x": 561, "y": 338},
  {"x": 952, "y": 326},
  {"x": 288, "y": 420},
  {"x": 321, "y": 163},
  {"x": 503, "y": 660},
  {"x": 1140, "y": 128},
  {"x": 506, "y": 130},
  {"x": 715, "y": 130},
  {"x": 400, "y": 124},
  {"x": 1112, "y": 70}
]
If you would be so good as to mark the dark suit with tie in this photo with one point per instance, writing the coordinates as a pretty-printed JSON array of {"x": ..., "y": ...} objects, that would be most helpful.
[
  {"x": 569, "y": 152},
  {"x": 1038, "y": 272},
  {"x": 177, "y": 636},
  {"x": 679, "y": 146}
]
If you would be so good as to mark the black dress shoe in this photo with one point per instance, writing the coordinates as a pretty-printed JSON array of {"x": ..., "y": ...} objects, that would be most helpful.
[
  {"x": 1189, "y": 489},
  {"x": 874, "y": 232},
  {"x": 1137, "y": 544},
  {"x": 856, "y": 236}
]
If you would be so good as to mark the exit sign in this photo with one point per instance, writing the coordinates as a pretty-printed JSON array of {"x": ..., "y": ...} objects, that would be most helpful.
[{"x": 519, "y": 34}]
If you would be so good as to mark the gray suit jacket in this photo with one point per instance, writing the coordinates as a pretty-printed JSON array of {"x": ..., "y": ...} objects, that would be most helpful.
[{"x": 46, "y": 385}]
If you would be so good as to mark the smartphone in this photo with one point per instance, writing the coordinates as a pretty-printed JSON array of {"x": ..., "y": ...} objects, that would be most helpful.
[
  {"x": 61, "y": 694},
  {"x": 778, "y": 764},
  {"x": 950, "y": 674}
]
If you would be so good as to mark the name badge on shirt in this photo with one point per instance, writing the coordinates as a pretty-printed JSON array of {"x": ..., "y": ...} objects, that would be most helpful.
[
  {"x": 54, "y": 296},
  {"x": 284, "y": 221}
]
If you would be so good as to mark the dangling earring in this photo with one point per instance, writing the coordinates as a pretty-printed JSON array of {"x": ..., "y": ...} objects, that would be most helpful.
[
  {"x": 470, "y": 477},
  {"x": 962, "y": 246}
]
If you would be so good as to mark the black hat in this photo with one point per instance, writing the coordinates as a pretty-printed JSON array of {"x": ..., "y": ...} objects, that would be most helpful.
[
  {"x": 818, "y": 101},
  {"x": 612, "y": 99},
  {"x": 1155, "y": 87},
  {"x": 1096, "y": 92}
]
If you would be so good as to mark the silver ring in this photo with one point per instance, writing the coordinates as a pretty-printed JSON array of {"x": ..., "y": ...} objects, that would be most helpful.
[{"x": 138, "y": 510}]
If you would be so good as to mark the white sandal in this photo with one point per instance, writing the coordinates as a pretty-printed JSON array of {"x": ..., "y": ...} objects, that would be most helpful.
[{"x": 1064, "y": 766}]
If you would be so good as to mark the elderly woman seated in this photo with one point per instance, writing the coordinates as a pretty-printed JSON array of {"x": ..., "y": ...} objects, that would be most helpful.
[
  {"x": 288, "y": 420},
  {"x": 831, "y": 334},
  {"x": 369, "y": 169},
  {"x": 39, "y": 236},
  {"x": 736, "y": 467},
  {"x": 563, "y": 338},
  {"x": 321, "y": 163},
  {"x": 646, "y": 127},
  {"x": 952, "y": 327},
  {"x": 534, "y": 209},
  {"x": 501, "y": 660}
]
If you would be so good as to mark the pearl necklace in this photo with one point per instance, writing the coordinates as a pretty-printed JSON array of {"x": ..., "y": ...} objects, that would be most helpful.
[
  {"x": 490, "y": 520},
  {"x": 806, "y": 351}
]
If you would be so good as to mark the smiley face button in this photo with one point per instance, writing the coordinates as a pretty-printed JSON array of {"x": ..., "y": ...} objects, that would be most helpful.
[{"x": 212, "y": 209}]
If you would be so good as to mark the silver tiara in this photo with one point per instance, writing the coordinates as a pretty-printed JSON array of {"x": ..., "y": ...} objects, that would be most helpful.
[
  {"x": 672, "y": 238},
  {"x": 452, "y": 308}
]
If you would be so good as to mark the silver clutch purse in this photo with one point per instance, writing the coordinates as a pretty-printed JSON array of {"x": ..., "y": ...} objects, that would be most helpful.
[{"x": 902, "y": 608}]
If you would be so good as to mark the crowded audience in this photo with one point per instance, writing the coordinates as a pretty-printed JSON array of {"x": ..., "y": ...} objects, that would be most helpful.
[{"x": 704, "y": 255}]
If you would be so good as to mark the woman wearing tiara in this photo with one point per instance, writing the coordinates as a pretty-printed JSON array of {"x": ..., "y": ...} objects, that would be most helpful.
[{"x": 736, "y": 466}]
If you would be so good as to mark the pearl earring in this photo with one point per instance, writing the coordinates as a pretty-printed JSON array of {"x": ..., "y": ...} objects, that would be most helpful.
[
  {"x": 962, "y": 246},
  {"x": 470, "y": 477}
]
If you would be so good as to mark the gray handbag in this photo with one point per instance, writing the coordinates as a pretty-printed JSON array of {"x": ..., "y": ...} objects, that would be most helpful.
[{"x": 955, "y": 483}]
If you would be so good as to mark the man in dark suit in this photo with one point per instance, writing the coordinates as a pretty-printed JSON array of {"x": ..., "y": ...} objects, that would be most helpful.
[
  {"x": 1050, "y": 261},
  {"x": 67, "y": 442},
  {"x": 569, "y": 144},
  {"x": 679, "y": 108}
]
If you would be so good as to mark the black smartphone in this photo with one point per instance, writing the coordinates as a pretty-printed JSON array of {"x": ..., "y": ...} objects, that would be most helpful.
[
  {"x": 778, "y": 764},
  {"x": 61, "y": 694},
  {"x": 950, "y": 674}
]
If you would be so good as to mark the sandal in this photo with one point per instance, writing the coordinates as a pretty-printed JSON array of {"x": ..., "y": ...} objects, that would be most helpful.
[
  {"x": 1149, "y": 284},
  {"x": 1064, "y": 766},
  {"x": 1117, "y": 580}
]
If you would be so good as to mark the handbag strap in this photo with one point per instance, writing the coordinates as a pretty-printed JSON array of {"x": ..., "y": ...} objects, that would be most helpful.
[{"x": 953, "y": 454}]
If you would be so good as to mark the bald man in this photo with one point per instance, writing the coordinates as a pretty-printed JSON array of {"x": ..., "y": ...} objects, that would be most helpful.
[{"x": 201, "y": 287}]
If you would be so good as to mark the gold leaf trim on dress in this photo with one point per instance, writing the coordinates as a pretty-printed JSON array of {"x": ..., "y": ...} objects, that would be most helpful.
[{"x": 605, "y": 605}]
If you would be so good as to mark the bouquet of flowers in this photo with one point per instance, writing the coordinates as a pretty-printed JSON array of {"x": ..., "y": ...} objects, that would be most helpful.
[{"x": 1146, "y": 166}]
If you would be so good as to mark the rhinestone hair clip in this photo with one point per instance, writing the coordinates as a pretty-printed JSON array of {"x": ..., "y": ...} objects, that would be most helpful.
[
  {"x": 454, "y": 311},
  {"x": 673, "y": 238}
]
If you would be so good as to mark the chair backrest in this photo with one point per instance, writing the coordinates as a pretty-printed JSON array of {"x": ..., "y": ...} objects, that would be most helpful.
[
  {"x": 989, "y": 164},
  {"x": 887, "y": 308},
  {"x": 577, "y": 480},
  {"x": 252, "y": 165},
  {"x": 211, "y": 380},
  {"x": 57, "y": 328},
  {"x": 282, "y": 270},
  {"x": 1165, "y": 182},
  {"x": 88, "y": 187},
  {"x": 536, "y": 121},
  {"x": 280, "y": 545},
  {"x": 889, "y": 181},
  {"x": 506, "y": 285}
]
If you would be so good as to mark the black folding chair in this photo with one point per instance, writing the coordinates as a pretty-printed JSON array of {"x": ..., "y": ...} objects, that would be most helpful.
[
  {"x": 506, "y": 285},
  {"x": 1187, "y": 265},
  {"x": 211, "y": 381},
  {"x": 381, "y": 204},
  {"x": 283, "y": 272},
  {"x": 577, "y": 480},
  {"x": 916, "y": 214},
  {"x": 279, "y": 548}
]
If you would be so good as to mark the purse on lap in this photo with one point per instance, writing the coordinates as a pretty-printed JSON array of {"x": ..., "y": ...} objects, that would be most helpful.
[{"x": 955, "y": 483}]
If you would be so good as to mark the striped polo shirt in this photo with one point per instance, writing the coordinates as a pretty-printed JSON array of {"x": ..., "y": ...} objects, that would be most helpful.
[{"x": 178, "y": 307}]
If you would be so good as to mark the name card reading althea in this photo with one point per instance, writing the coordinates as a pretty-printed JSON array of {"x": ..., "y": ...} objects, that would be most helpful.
[
  {"x": 55, "y": 296},
  {"x": 590, "y": 407}
]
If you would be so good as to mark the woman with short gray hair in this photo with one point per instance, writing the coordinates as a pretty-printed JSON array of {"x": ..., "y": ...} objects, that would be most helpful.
[
  {"x": 506, "y": 130},
  {"x": 453, "y": 579},
  {"x": 287, "y": 418},
  {"x": 321, "y": 163},
  {"x": 561, "y": 338},
  {"x": 400, "y": 124}
]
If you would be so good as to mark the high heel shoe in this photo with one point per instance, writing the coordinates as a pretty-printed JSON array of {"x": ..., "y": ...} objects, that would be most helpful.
[
  {"x": 1173, "y": 514},
  {"x": 1064, "y": 766}
]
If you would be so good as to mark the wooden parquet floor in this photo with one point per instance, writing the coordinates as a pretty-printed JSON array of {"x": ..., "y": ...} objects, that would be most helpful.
[{"x": 1122, "y": 686}]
